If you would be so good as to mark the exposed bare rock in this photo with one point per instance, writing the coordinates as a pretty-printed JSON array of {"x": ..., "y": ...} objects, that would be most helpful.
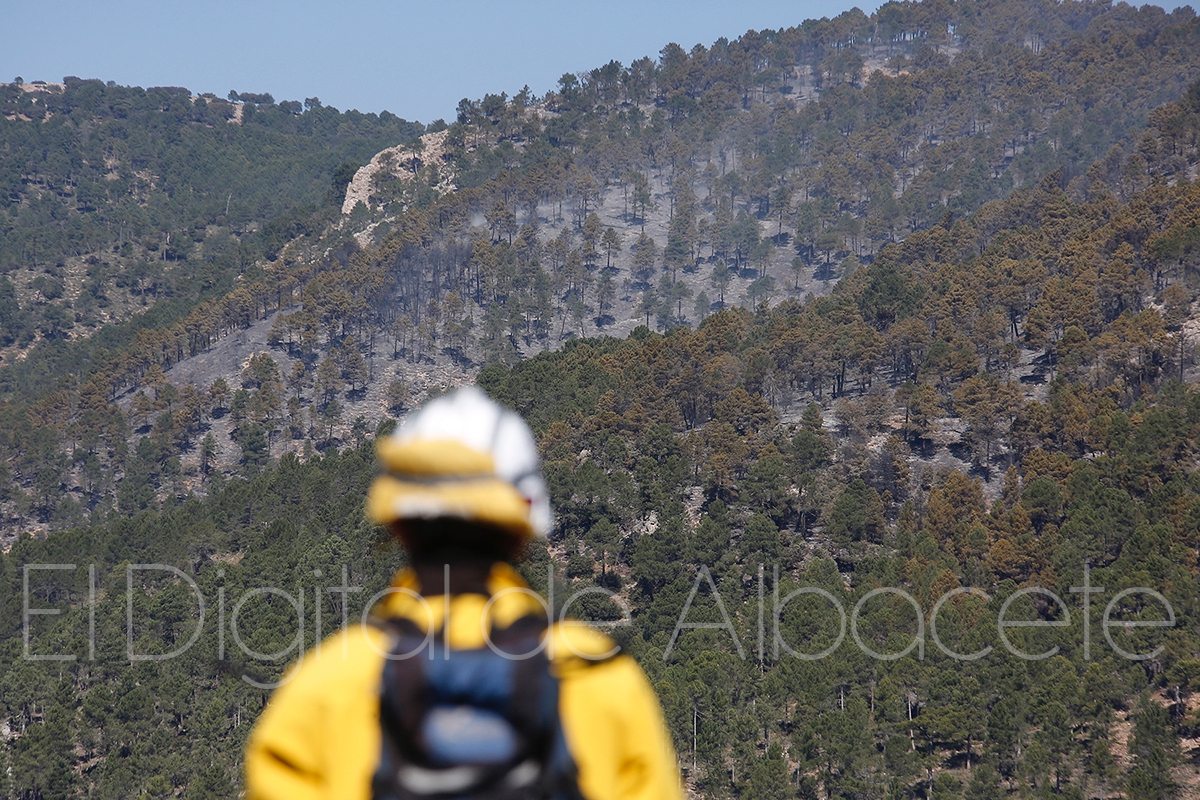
[{"x": 402, "y": 162}]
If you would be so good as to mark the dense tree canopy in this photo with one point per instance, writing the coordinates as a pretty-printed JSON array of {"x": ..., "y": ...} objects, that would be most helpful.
[{"x": 993, "y": 392}]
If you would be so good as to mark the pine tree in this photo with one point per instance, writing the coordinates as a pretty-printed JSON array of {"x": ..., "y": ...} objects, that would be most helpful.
[{"x": 1155, "y": 751}]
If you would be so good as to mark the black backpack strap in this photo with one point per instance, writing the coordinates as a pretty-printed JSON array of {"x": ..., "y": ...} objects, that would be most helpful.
[{"x": 404, "y": 691}]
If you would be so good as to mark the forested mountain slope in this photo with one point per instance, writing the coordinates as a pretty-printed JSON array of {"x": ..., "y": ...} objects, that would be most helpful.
[
  {"x": 749, "y": 171},
  {"x": 996, "y": 393},
  {"x": 116, "y": 199},
  {"x": 662, "y": 451},
  {"x": 756, "y": 167}
]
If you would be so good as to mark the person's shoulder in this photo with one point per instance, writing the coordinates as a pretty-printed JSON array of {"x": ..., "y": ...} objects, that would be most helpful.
[
  {"x": 577, "y": 645},
  {"x": 593, "y": 672},
  {"x": 352, "y": 655}
]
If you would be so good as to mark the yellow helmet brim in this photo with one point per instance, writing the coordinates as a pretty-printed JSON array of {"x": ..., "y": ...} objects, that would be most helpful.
[{"x": 486, "y": 500}]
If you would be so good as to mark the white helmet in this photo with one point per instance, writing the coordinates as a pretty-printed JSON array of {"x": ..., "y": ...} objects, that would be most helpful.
[{"x": 463, "y": 456}]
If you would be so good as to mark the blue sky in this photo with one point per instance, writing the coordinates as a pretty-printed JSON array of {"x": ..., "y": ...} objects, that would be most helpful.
[{"x": 415, "y": 59}]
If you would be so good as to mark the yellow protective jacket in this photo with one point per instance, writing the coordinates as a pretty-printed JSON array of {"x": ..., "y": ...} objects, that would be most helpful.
[{"x": 319, "y": 737}]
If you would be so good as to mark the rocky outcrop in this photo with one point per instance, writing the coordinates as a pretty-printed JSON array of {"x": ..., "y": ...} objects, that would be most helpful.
[{"x": 402, "y": 162}]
